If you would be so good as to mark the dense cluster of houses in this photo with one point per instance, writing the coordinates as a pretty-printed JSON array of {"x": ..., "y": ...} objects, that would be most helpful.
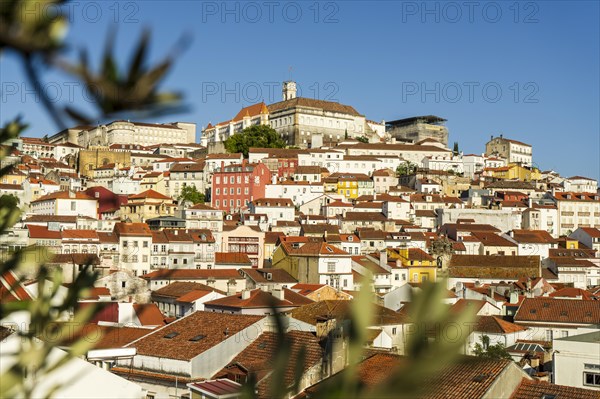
[{"x": 189, "y": 290}]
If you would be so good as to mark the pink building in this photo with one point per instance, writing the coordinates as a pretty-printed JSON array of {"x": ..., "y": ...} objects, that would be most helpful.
[{"x": 234, "y": 186}]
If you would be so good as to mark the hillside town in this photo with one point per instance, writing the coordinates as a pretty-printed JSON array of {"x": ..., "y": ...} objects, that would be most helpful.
[{"x": 197, "y": 249}]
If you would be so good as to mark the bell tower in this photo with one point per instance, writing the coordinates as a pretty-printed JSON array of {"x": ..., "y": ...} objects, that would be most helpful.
[{"x": 289, "y": 90}]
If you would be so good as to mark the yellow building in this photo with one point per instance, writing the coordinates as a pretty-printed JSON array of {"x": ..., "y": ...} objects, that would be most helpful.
[
  {"x": 421, "y": 266},
  {"x": 14, "y": 176},
  {"x": 514, "y": 172},
  {"x": 93, "y": 158},
  {"x": 147, "y": 205},
  {"x": 349, "y": 185}
]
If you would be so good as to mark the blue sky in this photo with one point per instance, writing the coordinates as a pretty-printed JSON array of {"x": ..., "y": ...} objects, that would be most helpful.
[{"x": 529, "y": 70}]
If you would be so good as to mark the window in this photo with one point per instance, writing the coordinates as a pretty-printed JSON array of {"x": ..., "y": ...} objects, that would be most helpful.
[
  {"x": 330, "y": 267},
  {"x": 145, "y": 244},
  {"x": 394, "y": 330},
  {"x": 73, "y": 205},
  {"x": 591, "y": 379},
  {"x": 123, "y": 284},
  {"x": 564, "y": 334},
  {"x": 125, "y": 243},
  {"x": 144, "y": 258},
  {"x": 549, "y": 335}
]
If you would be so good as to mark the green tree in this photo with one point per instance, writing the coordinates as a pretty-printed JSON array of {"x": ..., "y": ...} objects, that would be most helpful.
[
  {"x": 484, "y": 349},
  {"x": 257, "y": 136},
  {"x": 406, "y": 168},
  {"x": 362, "y": 139},
  {"x": 191, "y": 193},
  {"x": 455, "y": 150}
]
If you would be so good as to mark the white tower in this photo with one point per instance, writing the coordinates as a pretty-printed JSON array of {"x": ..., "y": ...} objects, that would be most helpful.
[{"x": 289, "y": 90}]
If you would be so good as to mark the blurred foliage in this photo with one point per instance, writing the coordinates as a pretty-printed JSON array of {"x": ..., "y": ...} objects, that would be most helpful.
[
  {"x": 35, "y": 31},
  {"x": 428, "y": 351},
  {"x": 29, "y": 27},
  {"x": 117, "y": 92},
  {"x": 363, "y": 139},
  {"x": 44, "y": 311},
  {"x": 257, "y": 136}
]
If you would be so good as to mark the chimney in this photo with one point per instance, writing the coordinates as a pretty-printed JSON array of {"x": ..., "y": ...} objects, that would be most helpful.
[
  {"x": 383, "y": 258},
  {"x": 231, "y": 287},
  {"x": 244, "y": 163},
  {"x": 222, "y": 165},
  {"x": 245, "y": 294},
  {"x": 278, "y": 293},
  {"x": 491, "y": 292}
]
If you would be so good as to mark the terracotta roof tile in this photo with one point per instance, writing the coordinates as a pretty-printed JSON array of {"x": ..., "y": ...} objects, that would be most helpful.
[
  {"x": 149, "y": 314},
  {"x": 180, "y": 288},
  {"x": 174, "y": 341},
  {"x": 494, "y": 266},
  {"x": 232, "y": 258},
  {"x": 192, "y": 274},
  {"x": 558, "y": 310},
  {"x": 495, "y": 325},
  {"x": 539, "y": 389}
]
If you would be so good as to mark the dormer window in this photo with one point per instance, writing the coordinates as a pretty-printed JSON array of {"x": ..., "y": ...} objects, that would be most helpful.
[{"x": 171, "y": 335}]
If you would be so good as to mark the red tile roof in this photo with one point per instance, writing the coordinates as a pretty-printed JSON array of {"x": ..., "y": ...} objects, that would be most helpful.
[
  {"x": 192, "y": 274},
  {"x": 232, "y": 258},
  {"x": 11, "y": 289},
  {"x": 216, "y": 388},
  {"x": 80, "y": 234},
  {"x": 496, "y": 325},
  {"x": 79, "y": 195},
  {"x": 176, "y": 340},
  {"x": 539, "y": 389},
  {"x": 132, "y": 229},
  {"x": 149, "y": 314},
  {"x": 494, "y": 266},
  {"x": 570, "y": 292},
  {"x": 259, "y": 299},
  {"x": 558, "y": 310},
  {"x": 149, "y": 194},
  {"x": 43, "y": 232},
  {"x": 193, "y": 296},
  {"x": 257, "y": 358},
  {"x": 278, "y": 276},
  {"x": 180, "y": 288}
]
